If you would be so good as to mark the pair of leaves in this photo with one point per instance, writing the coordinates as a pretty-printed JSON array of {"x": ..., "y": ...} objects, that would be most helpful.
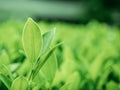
[
  {"x": 34, "y": 42},
  {"x": 37, "y": 50},
  {"x": 47, "y": 63},
  {"x": 35, "y": 45}
]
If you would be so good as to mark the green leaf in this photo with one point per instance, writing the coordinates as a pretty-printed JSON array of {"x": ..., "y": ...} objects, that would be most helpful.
[
  {"x": 32, "y": 40},
  {"x": 96, "y": 65},
  {"x": 49, "y": 68},
  {"x": 42, "y": 60},
  {"x": 39, "y": 79},
  {"x": 4, "y": 58},
  {"x": 24, "y": 68},
  {"x": 7, "y": 82},
  {"x": 112, "y": 86},
  {"x": 19, "y": 83},
  {"x": 47, "y": 39},
  {"x": 103, "y": 78},
  {"x": 73, "y": 82}
]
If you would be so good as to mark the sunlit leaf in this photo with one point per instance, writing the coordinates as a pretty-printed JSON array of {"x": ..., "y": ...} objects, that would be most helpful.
[
  {"x": 112, "y": 86},
  {"x": 19, "y": 83},
  {"x": 32, "y": 40},
  {"x": 4, "y": 58},
  {"x": 96, "y": 65},
  {"x": 49, "y": 68},
  {"x": 42, "y": 60},
  {"x": 40, "y": 80},
  {"x": 73, "y": 82},
  {"x": 47, "y": 39}
]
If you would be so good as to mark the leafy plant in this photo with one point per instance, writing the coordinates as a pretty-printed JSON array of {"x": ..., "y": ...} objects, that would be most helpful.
[
  {"x": 88, "y": 60},
  {"x": 38, "y": 52}
]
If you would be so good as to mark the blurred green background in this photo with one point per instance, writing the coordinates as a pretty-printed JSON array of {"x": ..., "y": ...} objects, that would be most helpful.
[
  {"x": 89, "y": 59},
  {"x": 81, "y": 11}
]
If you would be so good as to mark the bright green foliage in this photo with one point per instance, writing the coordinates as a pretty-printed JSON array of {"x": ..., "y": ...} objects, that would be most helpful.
[
  {"x": 96, "y": 65},
  {"x": 72, "y": 83},
  {"x": 32, "y": 40},
  {"x": 89, "y": 59},
  {"x": 36, "y": 47}
]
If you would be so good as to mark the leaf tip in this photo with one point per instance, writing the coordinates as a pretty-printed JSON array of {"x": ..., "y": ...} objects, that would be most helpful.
[{"x": 29, "y": 20}]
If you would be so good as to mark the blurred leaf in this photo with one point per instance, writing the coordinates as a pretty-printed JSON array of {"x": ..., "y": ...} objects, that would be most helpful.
[
  {"x": 69, "y": 65},
  {"x": 24, "y": 68},
  {"x": 36, "y": 87},
  {"x": 64, "y": 87},
  {"x": 72, "y": 83},
  {"x": 32, "y": 40},
  {"x": 7, "y": 82},
  {"x": 4, "y": 58},
  {"x": 47, "y": 39},
  {"x": 39, "y": 80},
  {"x": 14, "y": 66},
  {"x": 96, "y": 66},
  {"x": 49, "y": 68},
  {"x": 103, "y": 79},
  {"x": 42, "y": 60},
  {"x": 112, "y": 86},
  {"x": 116, "y": 70},
  {"x": 19, "y": 83},
  {"x": 4, "y": 70}
]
